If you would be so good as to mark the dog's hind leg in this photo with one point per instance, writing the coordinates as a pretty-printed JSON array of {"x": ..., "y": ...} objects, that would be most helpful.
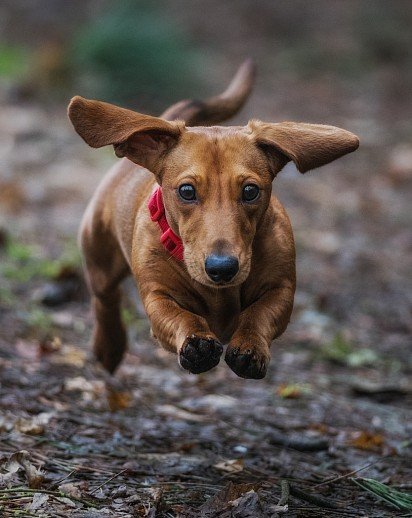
[{"x": 105, "y": 267}]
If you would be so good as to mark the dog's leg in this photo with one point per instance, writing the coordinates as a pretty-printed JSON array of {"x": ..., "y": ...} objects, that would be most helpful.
[
  {"x": 182, "y": 332},
  {"x": 248, "y": 351},
  {"x": 105, "y": 268},
  {"x": 109, "y": 334}
]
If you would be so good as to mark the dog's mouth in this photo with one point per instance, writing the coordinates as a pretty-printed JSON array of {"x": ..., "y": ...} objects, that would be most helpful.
[
  {"x": 200, "y": 276},
  {"x": 220, "y": 285}
]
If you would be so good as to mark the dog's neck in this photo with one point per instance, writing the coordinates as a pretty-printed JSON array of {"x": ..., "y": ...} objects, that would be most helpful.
[{"x": 171, "y": 242}]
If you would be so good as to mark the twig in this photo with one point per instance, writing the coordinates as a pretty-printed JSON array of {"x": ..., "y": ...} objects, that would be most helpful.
[
  {"x": 340, "y": 477},
  {"x": 57, "y": 484},
  {"x": 107, "y": 481},
  {"x": 284, "y": 497},
  {"x": 313, "y": 499}
]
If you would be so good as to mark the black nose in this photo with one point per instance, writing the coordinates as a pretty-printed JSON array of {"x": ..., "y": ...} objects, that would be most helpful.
[{"x": 221, "y": 268}]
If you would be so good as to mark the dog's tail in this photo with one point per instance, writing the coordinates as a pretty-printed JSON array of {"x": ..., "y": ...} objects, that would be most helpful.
[{"x": 219, "y": 108}]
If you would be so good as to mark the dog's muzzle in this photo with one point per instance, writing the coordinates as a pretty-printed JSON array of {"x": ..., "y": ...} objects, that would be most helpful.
[{"x": 221, "y": 268}]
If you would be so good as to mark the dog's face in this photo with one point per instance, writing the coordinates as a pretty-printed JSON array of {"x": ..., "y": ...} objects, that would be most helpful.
[
  {"x": 216, "y": 185},
  {"x": 216, "y": 181}
]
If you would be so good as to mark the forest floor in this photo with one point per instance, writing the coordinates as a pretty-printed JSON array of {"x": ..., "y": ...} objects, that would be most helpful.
[{"x": 333, "y": 410}]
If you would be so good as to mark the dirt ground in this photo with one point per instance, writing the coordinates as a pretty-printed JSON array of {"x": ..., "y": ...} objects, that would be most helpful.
[{"x": 157, "y": 441}]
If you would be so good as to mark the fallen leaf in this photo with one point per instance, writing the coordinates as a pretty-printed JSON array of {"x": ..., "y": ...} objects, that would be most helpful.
[
  {"x": 118, "y": 400},
  {"x": 179, "y": 413},
  {"x": 7, "y": 479},
  {"x": 247, "y": 506},
  {"x": 49, "y": 344},
  {"x": 33, "y": 426},
  {"x": 230, "y": 466},
  {"x": 12, "y": 196},
  {"x": 292, "y": 390},
  {"x": 224, "y": 499},
  {"x": 28, "y": 426},
  {"x": 39, "y": 499},
  {"x": 89, "y": 390},
  {"x": 70, "y": 490},
  {"x": 22, "y": 459},
  {"x": 367, "y": 441},
  {"x": 155, "y": 509},
  {"x": 70, "y": 355},
  {"x": 78, "y": 383}
]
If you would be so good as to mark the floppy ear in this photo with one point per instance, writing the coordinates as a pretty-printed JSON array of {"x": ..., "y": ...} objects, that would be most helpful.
[
  {"x": 308, "y": 145},
  {"x": 141, "y": 138}
]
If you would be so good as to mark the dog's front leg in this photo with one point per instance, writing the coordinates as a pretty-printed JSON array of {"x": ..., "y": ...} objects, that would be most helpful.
[
  {"x": 248, "y": 351},
  {"x": 182, "y": 332}
]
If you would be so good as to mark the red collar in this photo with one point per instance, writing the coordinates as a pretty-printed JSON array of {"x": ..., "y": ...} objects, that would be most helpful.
[{"x": 169, "y": 239}]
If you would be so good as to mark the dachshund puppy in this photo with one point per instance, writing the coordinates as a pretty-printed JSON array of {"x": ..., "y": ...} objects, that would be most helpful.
[{"x": 189, "y": 212}]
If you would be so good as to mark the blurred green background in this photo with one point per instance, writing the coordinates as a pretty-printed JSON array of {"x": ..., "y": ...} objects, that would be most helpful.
[{"x": 150, "y": 53}]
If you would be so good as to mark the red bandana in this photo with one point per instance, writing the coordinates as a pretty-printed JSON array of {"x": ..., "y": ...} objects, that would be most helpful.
[{"x": 169, "y": 239}]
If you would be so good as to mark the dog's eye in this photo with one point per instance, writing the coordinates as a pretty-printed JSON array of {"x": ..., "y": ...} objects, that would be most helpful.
[
  {"x": 250, "y": 192},
  {"x": 187, "y": 192}
]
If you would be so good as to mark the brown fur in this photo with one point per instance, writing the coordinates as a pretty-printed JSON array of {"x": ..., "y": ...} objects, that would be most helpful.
[{"x": 189, "y": 313}]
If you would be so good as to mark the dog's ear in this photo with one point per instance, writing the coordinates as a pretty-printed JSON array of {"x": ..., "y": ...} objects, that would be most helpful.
[
  {"x": 308, "y": 145},
  {"x": 141, "y": 138}
]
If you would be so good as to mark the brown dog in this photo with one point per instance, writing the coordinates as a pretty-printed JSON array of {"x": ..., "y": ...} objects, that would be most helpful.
[{"x": 221, "y": 267}]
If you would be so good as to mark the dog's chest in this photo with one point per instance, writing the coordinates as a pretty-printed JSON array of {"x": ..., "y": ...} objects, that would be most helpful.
[{"x": 223, "y": 312}]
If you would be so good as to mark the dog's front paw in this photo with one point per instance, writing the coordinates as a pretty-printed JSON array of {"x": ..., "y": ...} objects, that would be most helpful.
[
  {"x": 200, "y": 353},
  {"x": 247, "y": 361}
]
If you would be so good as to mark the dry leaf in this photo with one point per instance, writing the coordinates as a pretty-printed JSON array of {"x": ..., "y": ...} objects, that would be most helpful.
[
  {"x": 33, "y": 426},
  {"x": 367, "y": 441},
  {"x": 226, "y": 499},
  {"x": 70, "y": 490},
  {"x": 78, "y": 383},
  {"x": 49, "y": 344},
  {"x": 21, "y": 459},
  {"x": 11, "y": 467},
  {"x": 118, "y": 399},
  {"x": 247, "y": 506},
  {"x": 28, "y": 426},
  {"x": 70, "y": 355},
  {"x": 39, "y": 499},
  {"x": 90, "y": 390},
  {"x": 291, "y": 390},
  {"x": 179, "y": 413},
  {"x": 12, "y": 196},
  {"x": 230, "y": 466}
]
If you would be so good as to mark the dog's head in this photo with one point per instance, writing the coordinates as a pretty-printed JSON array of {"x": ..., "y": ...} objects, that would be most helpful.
[{"x": 216, "y": 181}]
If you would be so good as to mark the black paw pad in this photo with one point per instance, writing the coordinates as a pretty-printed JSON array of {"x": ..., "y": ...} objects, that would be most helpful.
[
  {"x": 200, "y": 354},
  {"x": 247, "y": 364}
]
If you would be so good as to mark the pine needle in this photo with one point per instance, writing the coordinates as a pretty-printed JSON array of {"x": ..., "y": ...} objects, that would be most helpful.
[{"x": 402, "y": 501}]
